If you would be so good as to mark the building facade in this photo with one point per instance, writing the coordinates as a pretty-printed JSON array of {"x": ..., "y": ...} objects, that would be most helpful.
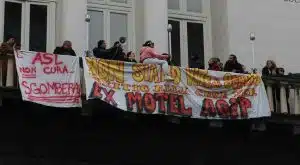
[{"x": 201, "y": 28}]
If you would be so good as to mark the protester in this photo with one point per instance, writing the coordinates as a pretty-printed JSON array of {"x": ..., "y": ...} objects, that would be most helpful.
[
  {"x": 65, "y": 49},
  {"x": 130, "y": 57},
  {"x": 232, "y": 65},
  {"x": 118, "y": 52},
  {"x": 214, "y": 64},
  {"x": 101, "y": 52},
  {"x": 149, "y": 56},
  {"x": 8, "y": 46},
  {"x": 269, "y": 69}
]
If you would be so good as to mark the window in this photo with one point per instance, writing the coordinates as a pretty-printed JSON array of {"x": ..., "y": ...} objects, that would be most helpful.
[
  {"x": 31, "y": 22},
  {"x": 12, "y": 20},
  {"x": 187, "y": 17},
  {"x": 111, "y": 20},
  {"x": 195, "y": 45},
  {"x": 96, "y": 28},
  {"x": 175, "y": 41},
  {"x": 174, "y": 4},
  {"x": 38, "y": 28},
  {"x": 118, "y": 27},
  {"x": 194, "y": 6},
  {"x": 182, "y": 6},
  {"x": 119, "y": 1}
]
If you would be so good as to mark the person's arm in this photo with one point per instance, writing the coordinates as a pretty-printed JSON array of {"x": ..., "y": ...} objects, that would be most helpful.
[
  {"x": 156, "y": 55},
  {"x": 73, "y": 52},
  {"x": 226, "y": 67},
  {"x": 56, "y": 50}
]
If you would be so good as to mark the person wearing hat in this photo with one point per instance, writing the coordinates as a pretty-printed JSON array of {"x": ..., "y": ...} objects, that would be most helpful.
[{"x": 148, "y": 55}]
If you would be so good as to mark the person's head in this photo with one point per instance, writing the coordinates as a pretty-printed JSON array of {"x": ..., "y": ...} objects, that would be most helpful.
[
  {"x": 67, "y": 45},
  {"x": 131, "y": 55},
  {"x": 102, "y": 44},
  {"x": 232, "y": 58},
  {"x": 213, "y": 61},
  {"x": 270, "y": 64},
  {"x": 148, "y": 44},
  {"x": 11, "y": 40},
  {"x": 281, "y": 71}
]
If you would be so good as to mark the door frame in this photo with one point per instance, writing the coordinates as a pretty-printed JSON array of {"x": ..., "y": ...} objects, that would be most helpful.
[
  {"x": 25, "y": 21},
  {"x": 184, "y": 58}
]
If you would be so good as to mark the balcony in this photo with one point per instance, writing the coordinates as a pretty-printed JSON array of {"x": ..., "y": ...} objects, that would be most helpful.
[{"x": 283, "y": 93}]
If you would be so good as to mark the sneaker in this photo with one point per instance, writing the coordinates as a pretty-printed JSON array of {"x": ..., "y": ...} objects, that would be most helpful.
[{"x": 168, "y": 78}]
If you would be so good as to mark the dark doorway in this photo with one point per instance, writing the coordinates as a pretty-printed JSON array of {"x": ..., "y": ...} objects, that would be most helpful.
[
  {"x": 195, "y": 45},
  {"x": 175, "y": 40},
  {"x": 12, "y": 20},
  {"x": 38, "y": 28}
]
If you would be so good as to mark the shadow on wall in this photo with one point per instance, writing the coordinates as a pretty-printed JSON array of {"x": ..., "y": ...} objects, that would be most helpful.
[{"x": 35, "y": 134}]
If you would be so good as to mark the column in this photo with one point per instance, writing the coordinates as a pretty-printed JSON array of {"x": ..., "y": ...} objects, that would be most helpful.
[
  {"x": 73, "y": 25},
  {"x": 156, "y": 23}
]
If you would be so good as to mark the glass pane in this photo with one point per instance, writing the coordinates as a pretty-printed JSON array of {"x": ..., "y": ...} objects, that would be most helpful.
[
  {"x": 12, "y": 20},
  {"x": 38, "y": 28},
  {"x": 96, "y": 31},
  {"x": 119, "y": 1},
  {"x": 175, "y": 40},
  {"x": 118, "y": 28},
  {"x": 194, "y": 5},
  {"x": 195, "y": 45},
  {"x": 173, "y": 4}
]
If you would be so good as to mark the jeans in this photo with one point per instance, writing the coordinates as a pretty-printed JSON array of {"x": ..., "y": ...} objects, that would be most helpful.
[{"x": 163, "y": 63}]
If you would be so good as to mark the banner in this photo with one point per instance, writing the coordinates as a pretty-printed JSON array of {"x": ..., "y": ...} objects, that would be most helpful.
[
  {"x": 49, "y": 79},
  {"x": 194, "y": 93}
]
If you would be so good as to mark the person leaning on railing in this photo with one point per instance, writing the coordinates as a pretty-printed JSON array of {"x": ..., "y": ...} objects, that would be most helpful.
[
  {"x": 65, "y": 49},
  {"x": 8, "y": 46}
]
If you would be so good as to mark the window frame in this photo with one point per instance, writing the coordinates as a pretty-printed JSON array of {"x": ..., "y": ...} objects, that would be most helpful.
[
  {"x": 107, "y": 7},
  {"x": 184, "y": 16},
  {"x": 25, "y": 21}
]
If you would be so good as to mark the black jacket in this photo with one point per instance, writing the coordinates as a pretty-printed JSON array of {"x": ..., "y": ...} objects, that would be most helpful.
[
  {"x": 233, "y": 67},
  {"x": 128, "y": 60},
  {"x": 114, "y": 53},
  {"x": 63, "y": 51}
]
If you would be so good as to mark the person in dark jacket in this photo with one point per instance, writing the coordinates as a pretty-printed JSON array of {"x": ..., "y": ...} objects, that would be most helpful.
[
  {"x": 270, "y": 69},
  {"x": 232, "y": 65},
  {"x": 118, "y": 52},
  {"x": 112, "y": 53},
  {"x": 65, "y": 49},
  {"x": 130, "y": 57}
]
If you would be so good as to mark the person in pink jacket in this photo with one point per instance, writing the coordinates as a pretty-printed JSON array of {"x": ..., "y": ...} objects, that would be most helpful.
[{"x": 148, "y": 55}]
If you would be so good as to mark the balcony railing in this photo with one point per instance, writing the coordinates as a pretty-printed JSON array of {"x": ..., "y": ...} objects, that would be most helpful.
[
  {"x": 283, "y": 91},
  {"x": 283, "y": 94}
]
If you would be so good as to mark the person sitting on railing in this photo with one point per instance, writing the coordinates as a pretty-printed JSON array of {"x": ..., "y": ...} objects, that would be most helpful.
[
  {"x": 130, "y": 57},
  {"x": 232, "y": 65},
  {"x": 270, "y": 69},
  {"x": 148, "y": 55},
  {"x": 214, "y": 64},
  {"x": 65, "y": 49},
  {"x": 8, "y": 46}
]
